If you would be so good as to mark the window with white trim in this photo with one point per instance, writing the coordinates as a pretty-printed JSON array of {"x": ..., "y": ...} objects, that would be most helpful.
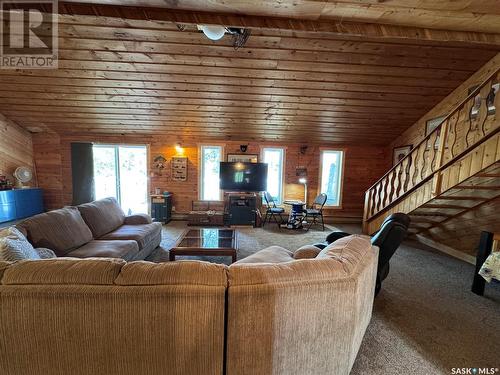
[
  {"x": 274, "y": 157},
  {"x": 331, "y": 165},
  {"x": 210, "y": 158}
]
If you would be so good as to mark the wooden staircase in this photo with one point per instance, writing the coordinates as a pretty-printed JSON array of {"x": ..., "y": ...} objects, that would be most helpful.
[{"x": 439, "y": 182}]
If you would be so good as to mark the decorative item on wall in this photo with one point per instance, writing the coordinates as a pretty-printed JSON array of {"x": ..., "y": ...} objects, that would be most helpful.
[
  {"x": 432, "y": 124},
  {"x": 243, "y": 158},
  {"x": 399, "y": 153},
  {"x": 243, "y": 148},
  {"x": 159, "y": 164},
  {"x": 490, "y": 100},
  {"x": 301, "y": 171},
  {"x": 179, "y": 168}
]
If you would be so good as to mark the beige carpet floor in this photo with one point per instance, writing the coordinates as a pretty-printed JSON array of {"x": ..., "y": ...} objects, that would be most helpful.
[{"x": 425, "y": 319}]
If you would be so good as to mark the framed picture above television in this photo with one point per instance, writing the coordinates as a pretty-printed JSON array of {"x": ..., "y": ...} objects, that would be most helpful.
[
  {"x": 399, "y": 153},
  {"x": 243, "y": 158}
]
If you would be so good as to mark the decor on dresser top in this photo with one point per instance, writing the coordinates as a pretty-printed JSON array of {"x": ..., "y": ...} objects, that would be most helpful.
[
  {"x": 5, "y": 183},
  {"x": 23, "y": 175},
  {"x": 243, "y": 158}
]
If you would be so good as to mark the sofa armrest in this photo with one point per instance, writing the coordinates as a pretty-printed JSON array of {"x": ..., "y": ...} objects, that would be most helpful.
[
  {"x": 306, "y": 252},
  {"x": 138, "y": 219}
]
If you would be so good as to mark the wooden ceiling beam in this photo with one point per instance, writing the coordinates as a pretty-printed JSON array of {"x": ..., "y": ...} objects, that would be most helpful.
[{"x": 339, "y": 27}]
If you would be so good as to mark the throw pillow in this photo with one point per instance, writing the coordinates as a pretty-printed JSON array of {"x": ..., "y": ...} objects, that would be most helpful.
[
  {"x": 306, "y": 252},
  {"x": 14, "y": 246},
  {"x": 45, "y": 253}
]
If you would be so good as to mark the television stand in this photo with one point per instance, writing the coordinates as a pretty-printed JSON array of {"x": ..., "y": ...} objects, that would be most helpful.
[{"x": 241, "y": 208}]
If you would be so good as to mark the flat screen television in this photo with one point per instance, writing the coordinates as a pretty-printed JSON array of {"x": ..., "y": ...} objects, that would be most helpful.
[{"x": 240, "y": 176}]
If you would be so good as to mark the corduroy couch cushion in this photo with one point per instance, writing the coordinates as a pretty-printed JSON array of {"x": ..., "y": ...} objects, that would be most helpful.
[
  {"x": 143, "y": 234},
  {"x": 91, "y": 271},
  {"x": 60, "y": 230},
  {"x": 102, "y": 216},
  {"x": 106, "y": 249},
  {"x": 173, "y": 273}
]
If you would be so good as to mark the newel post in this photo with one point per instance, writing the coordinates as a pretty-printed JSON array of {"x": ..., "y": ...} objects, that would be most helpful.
[{"x": 366, "y": 211}]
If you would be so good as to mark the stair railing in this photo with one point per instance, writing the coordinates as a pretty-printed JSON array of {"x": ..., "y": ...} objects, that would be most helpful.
[{"x": 472, "y": 122}]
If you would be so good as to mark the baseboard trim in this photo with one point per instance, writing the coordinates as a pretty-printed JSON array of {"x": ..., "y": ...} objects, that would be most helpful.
[
  {"x": 446, "y": 249},
  {"x": 180, "y": 216},
  {"x": 345, "y": 220}
]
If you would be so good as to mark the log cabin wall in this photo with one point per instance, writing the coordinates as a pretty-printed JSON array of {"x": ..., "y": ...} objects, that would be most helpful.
[
  {"x": 460, "y": 233},
  {"x": 363, "y": 165},
  {"x": 16, "y": 148},
  {"x": 416, "y": 132}
]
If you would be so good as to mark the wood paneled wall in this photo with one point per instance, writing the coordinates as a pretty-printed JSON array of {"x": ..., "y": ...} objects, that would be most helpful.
[
  {"x": 462, "y": 232},
  {"x": 416, "y": 132},
  {"x": 16, "y": 148},
  {"x": 363, "y": 165}
]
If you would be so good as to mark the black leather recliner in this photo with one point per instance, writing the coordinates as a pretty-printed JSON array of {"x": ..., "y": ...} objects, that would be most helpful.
[{"x": 388, "y": 238}]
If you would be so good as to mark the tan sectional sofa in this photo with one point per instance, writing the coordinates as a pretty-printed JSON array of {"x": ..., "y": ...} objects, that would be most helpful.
[
  {"x": 96, "y": 229},
  {"x": 274, "y": 314}
]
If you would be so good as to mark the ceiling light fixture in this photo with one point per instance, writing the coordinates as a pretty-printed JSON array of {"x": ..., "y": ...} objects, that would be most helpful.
[{"x": 213, "y": 32}]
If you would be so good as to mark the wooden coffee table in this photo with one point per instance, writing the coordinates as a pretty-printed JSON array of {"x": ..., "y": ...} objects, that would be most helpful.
[{"x": 206, "y": 242}]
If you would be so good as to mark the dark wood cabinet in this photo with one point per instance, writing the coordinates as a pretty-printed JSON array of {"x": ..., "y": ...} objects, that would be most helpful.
[{"x": 161, "y": 207}]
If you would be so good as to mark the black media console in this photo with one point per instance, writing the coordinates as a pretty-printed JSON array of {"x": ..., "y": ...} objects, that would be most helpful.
[{"x": 241, "y": 208}]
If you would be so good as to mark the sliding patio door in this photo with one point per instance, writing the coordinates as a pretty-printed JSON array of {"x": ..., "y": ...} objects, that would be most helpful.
[{"x": 120, "y": 171}]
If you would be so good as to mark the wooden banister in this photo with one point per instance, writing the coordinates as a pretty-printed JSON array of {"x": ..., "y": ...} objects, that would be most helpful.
[{"x": 473, "y": 121}]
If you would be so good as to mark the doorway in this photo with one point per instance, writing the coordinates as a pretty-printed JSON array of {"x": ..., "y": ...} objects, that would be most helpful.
[{"x": 120, "y": 171}]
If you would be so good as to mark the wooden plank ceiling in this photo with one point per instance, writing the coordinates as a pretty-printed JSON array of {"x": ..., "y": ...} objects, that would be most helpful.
[
  {"x": 122, "y": 76},
  {"x": 460, "y": 15}
]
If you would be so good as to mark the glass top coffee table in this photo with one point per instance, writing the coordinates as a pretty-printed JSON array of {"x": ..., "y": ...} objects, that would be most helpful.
[{"x": 206, "y": 242}]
